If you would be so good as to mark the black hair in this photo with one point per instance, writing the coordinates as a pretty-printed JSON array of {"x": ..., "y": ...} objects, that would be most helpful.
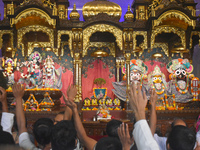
[
  {"x": 42, "y": 131},
  {"x": 63, "y": 136},
  {"x": 112, "y": 126},
  {"x": 181, "y": 138},
  {"x": 108, "y": 143},
  {"x": 6, "y": 138}
]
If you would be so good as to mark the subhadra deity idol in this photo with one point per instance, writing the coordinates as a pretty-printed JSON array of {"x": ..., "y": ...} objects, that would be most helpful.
[
  {"x": 51, "y": 76},
  {"x": 180, "y": 79},
  {"x": 157, "y": 81},
  {"x": 9, "y": 65},
  {"x": 138, "y": 71}
]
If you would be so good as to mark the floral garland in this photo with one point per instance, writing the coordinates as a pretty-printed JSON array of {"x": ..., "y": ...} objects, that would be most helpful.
[
  {"x": 6, "y": 73},
  {"x": 159, "y": 92},
  {"x": 28, "y": 102},
  {"x": 186, "y": 88}
]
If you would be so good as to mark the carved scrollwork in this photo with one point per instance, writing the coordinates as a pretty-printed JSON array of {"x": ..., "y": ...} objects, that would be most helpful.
[
  {"x": 102, "y": 28},
  {"x": 164, "y": 47},
  {"x": 166, "y": 29},
  {"x": 110, "y": 45},
  {"x": 173, "y": 13},
  {"x": 35, "y": 28},
  {"x": 62, "y": 32},
  {"x": 194, "y": 33},
  {"x": 2, "y": 32},
  {"x": 142, "y": 45},
  {"x": 34, "y": 11}
]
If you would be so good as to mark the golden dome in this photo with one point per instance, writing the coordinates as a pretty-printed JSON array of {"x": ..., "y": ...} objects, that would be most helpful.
[
  {"x": 128, "y": 17},
  {"x": 95, "y": 7},
  {"x": 74, "y": 15}
]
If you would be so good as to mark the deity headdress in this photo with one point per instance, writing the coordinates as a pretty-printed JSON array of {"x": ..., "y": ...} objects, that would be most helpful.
[
  {"x": 173, "y": 65},
  {"x": 155, "y": 72},
  {"x": 137, "y": 65},
  {"x": 48, "y": 59},
  {"x": 35, "y": 56}
]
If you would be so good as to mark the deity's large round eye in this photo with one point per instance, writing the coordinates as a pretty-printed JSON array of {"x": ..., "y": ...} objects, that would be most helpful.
[
  {"x": 183, "y": 72},
  {"x": 159, "y": 78},
  {"x": 177, "y": 72},
  {"x": 154, "y": 78}
]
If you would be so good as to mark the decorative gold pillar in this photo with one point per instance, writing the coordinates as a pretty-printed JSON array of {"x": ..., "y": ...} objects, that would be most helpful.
[
  {"x": 80, "y": 79},
  {"x": 127, "y": 57},
  {"x": 76, "y": 74},
  {"x": 118, "y": 67}
]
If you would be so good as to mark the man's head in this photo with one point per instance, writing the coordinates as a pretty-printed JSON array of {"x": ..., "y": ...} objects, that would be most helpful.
[
  {"x": 181, "y": 138},
  {"x": 42, "y": 131},
  {"x": 108, "y": 143},
  {"x": 178, "y": 121},
  {"x": 59, "y": 117},
  {"x": 112, "y": 126},
  {"x": 63, "y": 136}
]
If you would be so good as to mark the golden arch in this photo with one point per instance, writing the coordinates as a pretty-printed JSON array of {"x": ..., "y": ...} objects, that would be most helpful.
[
  {"x": 173, "y": 13},
  {"x": 102, "y": 28},
  {"x": 35, "y": 28},
  {"x": 34, "y": 11},
  {"x": 165, "y": 29}
]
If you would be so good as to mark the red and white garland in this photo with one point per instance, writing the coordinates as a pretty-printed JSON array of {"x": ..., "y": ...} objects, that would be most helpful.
[{"x": 6, "y": 73}]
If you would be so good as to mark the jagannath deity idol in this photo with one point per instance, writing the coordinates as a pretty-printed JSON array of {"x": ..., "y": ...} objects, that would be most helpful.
[
  {"x": 51, "y": 76},
  {"x": 157, "y": 81},
  {"x": 8, "y": 66},
  {"x": 180, "y": 79},
  {"x": 138, "y": 71},
  {"x": 33, "y": 76}
]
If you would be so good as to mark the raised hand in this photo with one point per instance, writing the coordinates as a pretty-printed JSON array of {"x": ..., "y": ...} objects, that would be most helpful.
[
  {"x": 18, "y": 90},
  {"x": 124, "y": 136},
  {"x": 153, "y": 99},
  {"x": 71, "y": 92},
  {"x": 70, "y": 103},
  {"x": 138, "y": 101},
  {"x": 3, "y": 95}
]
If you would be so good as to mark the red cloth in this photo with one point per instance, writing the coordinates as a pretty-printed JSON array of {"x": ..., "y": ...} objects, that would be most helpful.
[{"x": 97, "y": 72}]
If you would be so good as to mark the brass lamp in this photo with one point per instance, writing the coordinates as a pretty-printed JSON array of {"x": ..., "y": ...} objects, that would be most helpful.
[{"x": 99, "y": 53}]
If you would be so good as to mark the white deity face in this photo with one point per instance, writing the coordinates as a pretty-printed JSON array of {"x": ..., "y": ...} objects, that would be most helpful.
[{"x": 135, "y": 76}]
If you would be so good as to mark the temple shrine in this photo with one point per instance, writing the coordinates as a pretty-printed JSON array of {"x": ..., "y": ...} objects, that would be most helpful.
[{"x": 46, "y": 46}]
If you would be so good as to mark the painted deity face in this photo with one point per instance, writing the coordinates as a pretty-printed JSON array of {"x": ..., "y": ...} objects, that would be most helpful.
[
  {"x": 49, "y": 63},
  {"x": 157, "y": 81},
  {"x": 135, "y": 76},
  {"x": 180, "y": 73}
]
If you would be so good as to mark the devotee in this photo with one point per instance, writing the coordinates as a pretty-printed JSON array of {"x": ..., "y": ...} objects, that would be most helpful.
[
  {"x": 88, "y": 142},
  {"x": 141, "y": 133},
  {"x": 41, "y": 128},
  {"x": 111, "y": 128}
]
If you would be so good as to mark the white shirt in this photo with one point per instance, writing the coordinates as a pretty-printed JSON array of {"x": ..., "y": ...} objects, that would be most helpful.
[
  {"x": 25, "y": 142},
  {"x": 143, "y": 136},
  {"x": 7, "y": 122},
  {"x": 161, "y": 141}
]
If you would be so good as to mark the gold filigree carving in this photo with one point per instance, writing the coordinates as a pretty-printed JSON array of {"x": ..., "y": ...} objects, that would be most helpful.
[
  {"x": 173, "y": 13},
  {"x": 2, "y": 32},
  {"x": 102, "y": 28},
  {"x": 164, "y": 47},
  {"x": 194, "y": 33},
  {"x": 34, "y": 11},
  {"x": 60, "y": 33},
  {"x": 110, "y": 45},
  {"x": 35, "y": 28},
  {"x": 166, "y": 29},
  {"x": 42, "y": 44},
  {"x": 142, "y": 45}
]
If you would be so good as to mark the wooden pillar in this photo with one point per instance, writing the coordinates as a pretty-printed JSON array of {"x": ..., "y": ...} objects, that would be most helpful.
[{"x": 127, "y": 57}]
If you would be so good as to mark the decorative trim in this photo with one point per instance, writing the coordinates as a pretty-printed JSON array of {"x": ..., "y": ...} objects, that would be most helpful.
[
  {"x": 142, "y": 45},
  {"x": 164, "y": 47},
  {"x": 35, "y": 28},
  {"x": 194, "y": 33},
  {"x": 102, "y": 28},
  {"x": 165, "y": 29}
]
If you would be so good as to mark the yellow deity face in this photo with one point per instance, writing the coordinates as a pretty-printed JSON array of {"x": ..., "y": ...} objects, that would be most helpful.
[{"x": 157, "y": 79}]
